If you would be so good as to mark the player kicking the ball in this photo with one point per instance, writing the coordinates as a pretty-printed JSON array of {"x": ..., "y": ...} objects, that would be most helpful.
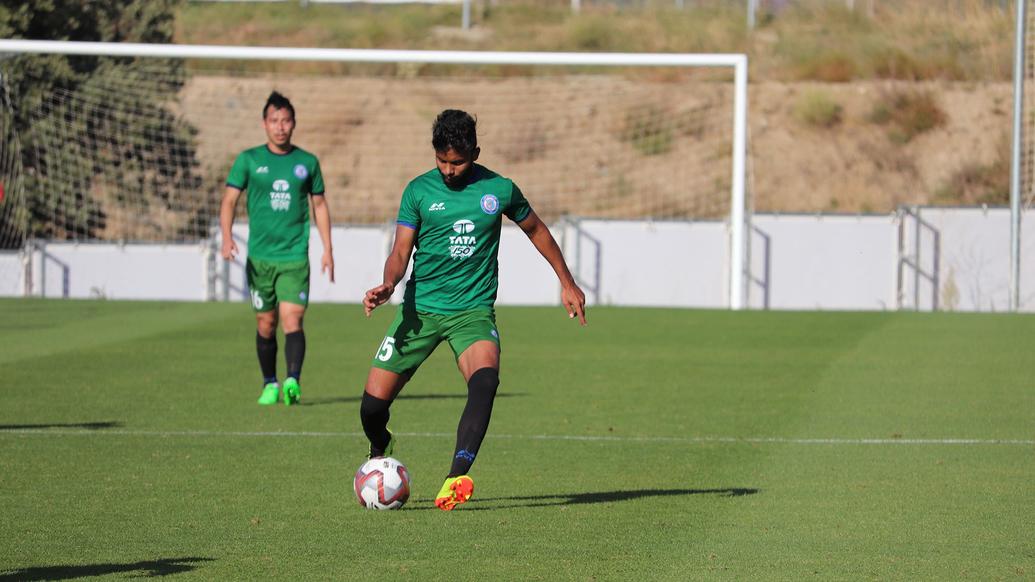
[{"x": 453, "y": 216}]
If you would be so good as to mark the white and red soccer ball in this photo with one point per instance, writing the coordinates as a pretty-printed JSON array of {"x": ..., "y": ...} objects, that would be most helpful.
[{"x": 382, "y": 483}]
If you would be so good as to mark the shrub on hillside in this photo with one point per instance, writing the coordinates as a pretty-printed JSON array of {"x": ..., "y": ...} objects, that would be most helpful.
[
  {"x": 980, "y": 183},
  {"x": 818, "y": 109},
  {"x": 908, "y": 113},
  {"x": 648, "y": 129}
]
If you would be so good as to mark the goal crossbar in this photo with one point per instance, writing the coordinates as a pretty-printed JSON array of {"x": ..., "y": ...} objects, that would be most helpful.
[{"x": 737, "y": 62}]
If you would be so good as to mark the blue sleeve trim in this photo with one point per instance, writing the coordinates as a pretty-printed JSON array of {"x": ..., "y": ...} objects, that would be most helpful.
[
  {"x": 232, "y": 185},
  {"x": 406, "y": 224},
  {"x": 320, "y": 193}
]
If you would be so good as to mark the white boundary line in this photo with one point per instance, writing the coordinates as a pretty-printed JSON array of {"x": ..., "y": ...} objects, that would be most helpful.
[{"x": 543, "y": 437}]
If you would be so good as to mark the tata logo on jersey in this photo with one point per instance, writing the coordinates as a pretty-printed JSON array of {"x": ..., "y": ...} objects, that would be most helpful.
[
  {"x": 280, "y": 197},
  {"x": 462, "y": 246},
  {"x": 463, "y": 226}
]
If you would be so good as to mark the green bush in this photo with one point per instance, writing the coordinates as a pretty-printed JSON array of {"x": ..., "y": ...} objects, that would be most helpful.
[
  {"x": 907, "y": 114},
  {"x": 818, "y": 109},
  {"x": 980, "y": 183},
  {"x": 648, "y": 129}
]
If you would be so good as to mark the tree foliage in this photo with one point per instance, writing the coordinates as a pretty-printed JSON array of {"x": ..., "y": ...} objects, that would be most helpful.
[{"x": 72, "y": 186}]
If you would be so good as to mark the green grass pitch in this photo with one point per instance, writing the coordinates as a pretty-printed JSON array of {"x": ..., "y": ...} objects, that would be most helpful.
[{"x": 651, "y": 445}]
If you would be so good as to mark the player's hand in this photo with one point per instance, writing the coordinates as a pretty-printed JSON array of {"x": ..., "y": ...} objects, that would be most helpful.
[
  {"x": 229, "y": 249},
  {"x": 574, "y": 300},
  {"x": 327, "y": 265},
  {"x": 377, "y": 296}
]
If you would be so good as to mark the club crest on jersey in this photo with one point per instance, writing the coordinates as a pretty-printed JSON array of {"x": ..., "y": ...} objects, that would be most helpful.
[
  {"x": 490, "y": 204},
  {"x": 301, "y": 172}
]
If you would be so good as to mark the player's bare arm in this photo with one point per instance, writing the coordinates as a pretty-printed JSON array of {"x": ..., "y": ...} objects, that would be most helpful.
[
  {"x": 226, "y": 221},
  {"x": 322, "y": 214},
  {"x": 572, "y": 297},
  {"x": 395, "y": 268}
]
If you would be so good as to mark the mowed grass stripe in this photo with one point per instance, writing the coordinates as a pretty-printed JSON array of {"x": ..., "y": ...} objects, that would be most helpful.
[
  {"x": 36, "y": 328},
  {"x": 9, "y": 430}
]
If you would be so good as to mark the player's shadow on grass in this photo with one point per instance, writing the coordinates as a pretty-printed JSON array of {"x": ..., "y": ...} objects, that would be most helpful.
[
  {"x": 347, "y": 399},
  {"x": 598, "y": 497},
  {"x": 143, "y": 569},
  {"x": 84, "y": 425}
]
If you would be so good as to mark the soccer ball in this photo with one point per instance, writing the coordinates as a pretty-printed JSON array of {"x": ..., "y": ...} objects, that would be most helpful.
[{"x": 382, "y": 483}]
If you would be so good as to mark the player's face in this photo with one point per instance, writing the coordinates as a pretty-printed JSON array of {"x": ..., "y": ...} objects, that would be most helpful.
[
  {"x": 454, "y": 166},
  {"x": 279, "y": 125}
]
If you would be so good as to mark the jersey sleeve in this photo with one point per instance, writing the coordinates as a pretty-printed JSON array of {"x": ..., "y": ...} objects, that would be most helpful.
[
  {"x": 238, "y": 177},
  {"x": 409, "y": 209},
  {"x": 519, "y": 208},
  {"x": 316, "y": 179}
]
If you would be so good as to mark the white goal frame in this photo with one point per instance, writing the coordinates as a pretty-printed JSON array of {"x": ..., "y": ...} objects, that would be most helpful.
[{"x": 738, "y": 217}]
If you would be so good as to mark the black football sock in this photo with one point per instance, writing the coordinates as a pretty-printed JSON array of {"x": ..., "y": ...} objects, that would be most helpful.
[
  {"x": 474, "y": 422},
  {"x": 373, "y": 413},
  {"x": 294, "y": 353},
  {"x": 266, "y": 348}
]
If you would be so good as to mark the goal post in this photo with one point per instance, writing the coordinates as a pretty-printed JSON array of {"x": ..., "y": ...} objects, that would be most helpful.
[
  {"x": 1020, "y": 149},
  {"x": 638, "y": 130}
]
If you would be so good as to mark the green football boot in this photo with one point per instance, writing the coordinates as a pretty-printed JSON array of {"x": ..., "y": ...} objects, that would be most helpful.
[
  {"x": 270, "y": 393},
  {"x": 292, "y": 392}
]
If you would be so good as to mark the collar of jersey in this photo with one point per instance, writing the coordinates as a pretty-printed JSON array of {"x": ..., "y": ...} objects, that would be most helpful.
[{"x": 287, "y": 153}]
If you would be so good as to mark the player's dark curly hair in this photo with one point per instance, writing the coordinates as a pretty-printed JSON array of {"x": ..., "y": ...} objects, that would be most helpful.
[
  {"x": 454, "y": 129},
  {"x": 278, "y": 101}
]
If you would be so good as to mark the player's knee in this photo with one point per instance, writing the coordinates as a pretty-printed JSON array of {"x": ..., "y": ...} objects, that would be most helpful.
[
  {"x": 484, "y": 382},
  {"x": 267, "y": 330},
  {"x": 266, "y": 323},
  {"x": 291, "y": 323}
]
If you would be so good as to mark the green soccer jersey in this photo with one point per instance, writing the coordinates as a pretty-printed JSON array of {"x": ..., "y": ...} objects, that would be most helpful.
[
  {"x": 278, "y": 187},
  {"x": 455, "y": 265}
]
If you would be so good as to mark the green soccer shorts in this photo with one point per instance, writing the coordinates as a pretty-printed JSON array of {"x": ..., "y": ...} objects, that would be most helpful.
[
  {"x": 413, "y": 335},
  {"x": 272, "y": 282}
]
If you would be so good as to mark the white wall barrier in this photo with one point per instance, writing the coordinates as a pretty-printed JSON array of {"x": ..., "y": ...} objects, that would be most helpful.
[
  {"x": 12, "y": 274},
  {"x": 824, "y": 261},
  {"x": 119, "y": 271},
  {"x": 973, "y": 262},
  {"x": 944, "y": 258},
  {"x": 675, "y": 264}
]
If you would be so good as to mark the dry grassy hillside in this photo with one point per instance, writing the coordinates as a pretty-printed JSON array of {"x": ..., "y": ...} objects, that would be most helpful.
[
  {"x": 814, "y": 147},
  {"x": 904, "y": 102},
  {"x": 855, "y": 163}
]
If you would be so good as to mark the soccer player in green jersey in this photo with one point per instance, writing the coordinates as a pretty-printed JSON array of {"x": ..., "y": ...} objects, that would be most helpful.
[
  {"x": 452, "y": 215},
  {"x": 282, "y": 180}
]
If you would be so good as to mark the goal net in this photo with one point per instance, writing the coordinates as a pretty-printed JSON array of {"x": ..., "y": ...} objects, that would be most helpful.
[{"x": 142, "y": 153}]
